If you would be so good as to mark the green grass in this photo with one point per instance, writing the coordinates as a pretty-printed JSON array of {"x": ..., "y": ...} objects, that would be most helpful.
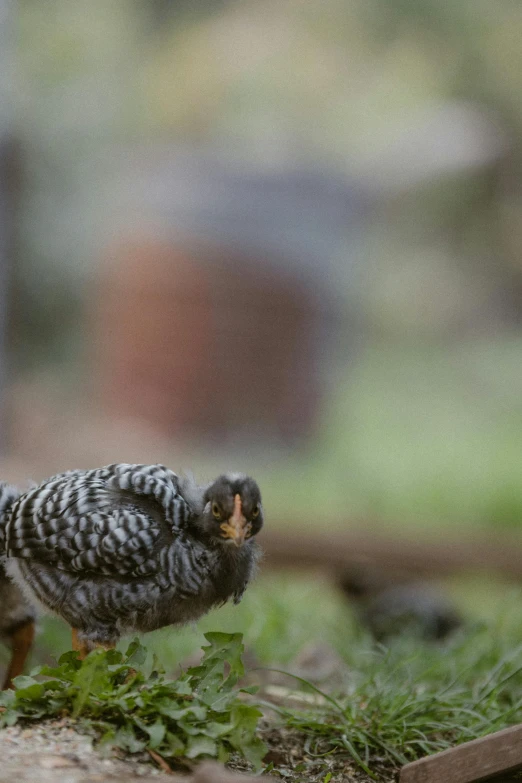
[
  {"x": 384, "y": 706},
  {"x": 401, "y": 703}
]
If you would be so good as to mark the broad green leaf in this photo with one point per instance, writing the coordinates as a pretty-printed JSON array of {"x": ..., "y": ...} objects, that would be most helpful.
[
  {"x": 182, "y": 687},
  {"x": 209, "y": 677},
  {"x": 10, "y": 717},
  {"x": 23, "y": 682},
  {"x": 113, "y": 657},
  {"x": 53, "y": 685},
  {"x": 215, "y": 730},
  {"x": 223, "y": 754},
  {"x": 254, "y": 751},
  {"x": 197, "y": 711},
  {"x": 175, "y": 744},
  {"x": 200, "y": 745},
  {"x": 156, "y": 732},
  {"x": 225, "y": 647},
  {"x": 190, "y": 728},
  {"x": 7, "y": 698},
  {"x": 70, "y": 660},
  {"x": 243, "y": 736},
  {"x": 220, "y": 701},
  {"x": 29, "y": 692},
  {"x": 107, "y": 738},
  {"x": 126, "y": 738},
  {"x": 63, "y": 673},
  {"x": 126, "y": 703},
  {"x": 91, "y": 678},
  {"x": 136, "y": 654}
]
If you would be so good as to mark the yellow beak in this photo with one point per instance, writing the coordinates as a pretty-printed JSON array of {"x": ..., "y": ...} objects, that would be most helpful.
[{"x": 236, "y": 528}]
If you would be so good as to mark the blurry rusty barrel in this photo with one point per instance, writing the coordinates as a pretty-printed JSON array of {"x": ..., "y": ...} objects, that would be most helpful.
[
  {"x": 218, "y": 327},
  {"x": 210, "y": 349}
]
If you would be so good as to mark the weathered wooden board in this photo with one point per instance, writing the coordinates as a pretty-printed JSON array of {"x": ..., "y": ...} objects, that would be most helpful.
[
  {"x": 474, "y": 761},
  {"x": 286, "y": 546}
]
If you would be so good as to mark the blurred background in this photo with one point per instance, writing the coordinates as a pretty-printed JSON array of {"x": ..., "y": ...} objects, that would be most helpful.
[{"x": 284, "y": 238}]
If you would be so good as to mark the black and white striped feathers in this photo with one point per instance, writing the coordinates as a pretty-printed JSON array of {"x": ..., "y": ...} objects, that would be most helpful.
[
  {"x": 15, "y": 610},
  {"x": 132, "y": 547},
  {"x": 8, "y": 495}
]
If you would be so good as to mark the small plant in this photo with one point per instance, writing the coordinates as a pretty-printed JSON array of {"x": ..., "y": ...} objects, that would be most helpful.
[{"x": 199, "y": 715}]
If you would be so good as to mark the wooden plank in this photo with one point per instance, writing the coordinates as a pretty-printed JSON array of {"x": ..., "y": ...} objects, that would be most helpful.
[
  {"x": 334, "y": 549},
  {"x": 470, "y": 762}
]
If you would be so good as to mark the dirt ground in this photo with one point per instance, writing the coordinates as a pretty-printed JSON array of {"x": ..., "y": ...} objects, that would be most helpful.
[{"x": 54, "y": 751}]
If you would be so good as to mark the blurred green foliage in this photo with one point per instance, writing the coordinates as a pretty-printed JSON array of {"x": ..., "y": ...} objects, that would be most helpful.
[{"x": 423, "y": 423}]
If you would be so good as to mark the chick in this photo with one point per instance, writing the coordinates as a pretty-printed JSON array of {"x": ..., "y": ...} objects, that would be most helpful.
[{"x": 132, "y": 548}]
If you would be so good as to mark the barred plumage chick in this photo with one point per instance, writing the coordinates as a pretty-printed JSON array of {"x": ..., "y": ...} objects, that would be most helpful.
[
  {"x": 130, "y": 548},
  {"x": 17, "y": 616}
]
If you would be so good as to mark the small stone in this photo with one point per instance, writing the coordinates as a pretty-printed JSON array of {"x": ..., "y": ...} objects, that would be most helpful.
[{"x": 57, "y": 762}]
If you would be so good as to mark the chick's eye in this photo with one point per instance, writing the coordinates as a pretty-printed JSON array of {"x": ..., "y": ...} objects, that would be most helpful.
[
  {"x": 215, "y": 511},
  {"x": 255, "y": 512}
]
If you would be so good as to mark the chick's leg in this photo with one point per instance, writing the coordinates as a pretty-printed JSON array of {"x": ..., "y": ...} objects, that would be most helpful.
[
  {"x": 22, "y": 641},
  {"x": 83, "y": 647},
  {"x": 79, "y": 645}
]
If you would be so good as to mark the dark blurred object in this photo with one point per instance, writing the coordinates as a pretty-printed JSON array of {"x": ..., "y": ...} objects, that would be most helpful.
[
  {"x": 389, "y": 610},
  {"x": 222, "y": 325},
  {"x": 17, "y": 630}
]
